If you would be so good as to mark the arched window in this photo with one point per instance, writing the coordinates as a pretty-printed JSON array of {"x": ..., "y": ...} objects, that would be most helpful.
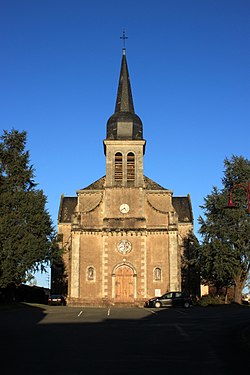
[
  {"x": 157, "y": 274},
  {"x": 130, "y": 166},
  {"x": 90, "y": 273},
  {"x": 118, "y": 166}
]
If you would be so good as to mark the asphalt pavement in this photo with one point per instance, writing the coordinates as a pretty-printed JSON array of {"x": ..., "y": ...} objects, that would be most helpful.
[{"x": 39, "y": 339}]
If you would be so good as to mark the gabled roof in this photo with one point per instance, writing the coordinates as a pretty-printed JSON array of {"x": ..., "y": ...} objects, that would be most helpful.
[
  {"x": 152, "y": 185},
  {"x": 182, "y": 206},
  {"x": 100, "y": 184},
  {"x": 67, "y": 207},
  {"x": 97, "y": 185}
]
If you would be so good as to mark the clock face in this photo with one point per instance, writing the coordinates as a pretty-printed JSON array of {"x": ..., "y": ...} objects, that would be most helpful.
[
  {"x": 124, "y": 247},
  {"x": 124, "y": 208}
]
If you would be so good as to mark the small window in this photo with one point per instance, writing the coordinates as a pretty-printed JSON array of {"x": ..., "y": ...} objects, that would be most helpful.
[
  {"x": 90, "y": 273},
  {"x": 157, "y": 274},
  {"x": 130, "y": 167},
  {"x": 118, "y": 166}
]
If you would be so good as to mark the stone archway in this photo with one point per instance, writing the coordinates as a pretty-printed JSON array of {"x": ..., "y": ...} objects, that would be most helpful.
[{"x": 124, "y": 284}]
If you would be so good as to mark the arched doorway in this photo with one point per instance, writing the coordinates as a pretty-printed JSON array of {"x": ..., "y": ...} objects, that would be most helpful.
[{"x": 124, "y": 284}]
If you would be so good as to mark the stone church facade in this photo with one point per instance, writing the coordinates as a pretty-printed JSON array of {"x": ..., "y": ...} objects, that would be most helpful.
[{"x": 124, "y": 235}]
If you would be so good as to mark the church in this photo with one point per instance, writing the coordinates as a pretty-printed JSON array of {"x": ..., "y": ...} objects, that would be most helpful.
[{"x": 124, "y": 235}]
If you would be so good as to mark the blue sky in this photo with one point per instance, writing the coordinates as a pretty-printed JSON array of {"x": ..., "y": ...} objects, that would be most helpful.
[{"x": 189, "y": 65}]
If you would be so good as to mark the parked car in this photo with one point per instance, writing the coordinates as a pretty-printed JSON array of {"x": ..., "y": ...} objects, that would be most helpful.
[
  {"x": 56, "y": 300},
  {"x": 170, "y": 299}
]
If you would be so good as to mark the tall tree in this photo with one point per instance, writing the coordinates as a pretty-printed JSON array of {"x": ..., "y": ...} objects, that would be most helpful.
[
  {"x": 224, "y": 254},
  {"x": 190, "y": 266},
  {"x": 26, "y": 231}
]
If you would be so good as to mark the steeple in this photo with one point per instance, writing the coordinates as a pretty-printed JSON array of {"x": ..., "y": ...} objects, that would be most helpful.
[
  {"x": 124, "y": 145},
  {"x": 124, "y": 123},
  {"x": 124, "y": 100}
]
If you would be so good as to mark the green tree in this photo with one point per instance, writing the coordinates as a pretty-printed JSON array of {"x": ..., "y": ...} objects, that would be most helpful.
[
  {"x": 190, "y": 266},
  {"x": 27, "y": 237},
  {"x": 224, "y": 255}
]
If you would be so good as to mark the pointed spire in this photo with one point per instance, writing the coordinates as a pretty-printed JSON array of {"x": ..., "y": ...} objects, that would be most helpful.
[
  {"x": 124, "y": 100},
  {"x": 124, "y": 123}
]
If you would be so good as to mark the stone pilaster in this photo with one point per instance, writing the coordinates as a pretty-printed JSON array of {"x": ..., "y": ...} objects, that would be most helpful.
[
  {"x": 174, "y": 274},
  {"x": 75, "y": 265}
]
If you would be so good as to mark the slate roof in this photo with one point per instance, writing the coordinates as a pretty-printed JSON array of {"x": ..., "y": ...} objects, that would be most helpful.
[
  {"x": 67, "y": 207},
  {"x": 182, "y": 206},
  {"x": 124, "y": 107},
  {"x": 124, "y": 99},
  {"x": 152, "y": 185},
  {"x": 100, "y": 184},
  {"x": 97, "y": 185}
]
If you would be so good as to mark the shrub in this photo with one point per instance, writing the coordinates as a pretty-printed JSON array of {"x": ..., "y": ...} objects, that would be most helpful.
[{"x": 211, "y": 300}]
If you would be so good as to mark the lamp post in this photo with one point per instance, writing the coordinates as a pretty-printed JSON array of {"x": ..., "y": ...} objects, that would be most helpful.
[{"x": 246, "y": 188}]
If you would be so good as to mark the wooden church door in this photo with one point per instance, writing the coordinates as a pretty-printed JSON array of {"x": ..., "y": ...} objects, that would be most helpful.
[{"x": 124, "y": 285}]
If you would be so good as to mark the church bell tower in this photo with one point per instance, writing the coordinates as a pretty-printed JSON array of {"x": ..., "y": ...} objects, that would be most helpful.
[
  {"x": 123, "y": 235},
  {"x": 124, "y": 145}
]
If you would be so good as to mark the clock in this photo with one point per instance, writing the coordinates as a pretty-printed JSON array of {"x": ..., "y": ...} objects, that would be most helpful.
[
  {"x": 124, "y": 208},
  {"x": 124, "y": 247}
]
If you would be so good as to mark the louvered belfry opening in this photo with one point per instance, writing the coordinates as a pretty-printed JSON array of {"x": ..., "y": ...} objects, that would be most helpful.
[
  {"x": 118, "y": 166},
  {"x": 130, "y": 166},
  {"x": 124, "y": 146}
]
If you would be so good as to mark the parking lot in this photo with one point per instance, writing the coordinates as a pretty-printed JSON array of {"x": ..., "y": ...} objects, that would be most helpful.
[{"x": 66, "y": 340}]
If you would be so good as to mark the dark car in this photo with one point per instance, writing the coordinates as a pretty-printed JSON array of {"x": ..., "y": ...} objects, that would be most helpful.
[
  {"x": 178, "y": 299},
  {"x": 56, "y": 300}
]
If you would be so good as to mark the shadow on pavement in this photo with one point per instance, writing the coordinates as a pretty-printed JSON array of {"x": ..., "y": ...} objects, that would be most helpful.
[{"x": 62, "y": 340}]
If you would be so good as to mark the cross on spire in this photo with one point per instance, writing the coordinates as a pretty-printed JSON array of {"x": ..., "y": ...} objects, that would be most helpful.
[{"x": 124, "y": 37}]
